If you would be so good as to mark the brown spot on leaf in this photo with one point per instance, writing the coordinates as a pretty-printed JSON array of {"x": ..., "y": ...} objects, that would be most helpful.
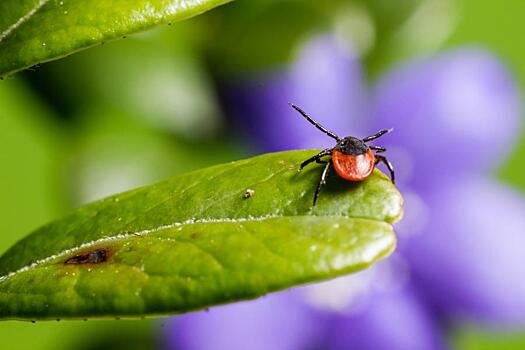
[
  {"x": 96, "y": 256},
  {"x": 194, "y": 235}
]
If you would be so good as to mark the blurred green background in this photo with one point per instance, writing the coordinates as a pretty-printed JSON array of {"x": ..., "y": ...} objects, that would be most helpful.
[{"x": 139, "y": 110}]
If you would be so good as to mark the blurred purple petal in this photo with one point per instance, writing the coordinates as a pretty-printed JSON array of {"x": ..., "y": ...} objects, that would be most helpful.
[
  {"x": 456, "y": 113},
  {"x": 469, "y": 261},
  {"x": 394, "y": 320},
  {"x": 374, "y": 309},
  {"x": 328, "y": 83},
  {"x": 325, "y": 81},
  {"x": 351, "y": 294},
  {"x": 274, "y": 322}
]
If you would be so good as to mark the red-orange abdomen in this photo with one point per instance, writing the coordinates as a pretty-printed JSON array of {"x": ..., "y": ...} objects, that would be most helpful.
[{"x": 353, "y": 168}]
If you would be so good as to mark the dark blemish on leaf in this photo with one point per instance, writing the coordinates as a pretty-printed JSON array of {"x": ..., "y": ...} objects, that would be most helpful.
[
  {"x": 194, "y": 235},
  {"x": 96, "y": 256},
  {"x": 33, "y": 321},
  {"x": 249, "y": 193}
]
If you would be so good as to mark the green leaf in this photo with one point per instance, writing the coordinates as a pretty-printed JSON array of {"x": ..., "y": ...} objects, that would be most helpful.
[
  {"x": 468, "y": 337},
  {"x": 35, "y": 31},
  {"x": 198, "y": 240}
]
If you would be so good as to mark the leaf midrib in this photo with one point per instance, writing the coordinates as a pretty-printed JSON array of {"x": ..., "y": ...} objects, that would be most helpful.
[
  {"x": 145, "y": 232},
  {"x": 13, "y": 27}
]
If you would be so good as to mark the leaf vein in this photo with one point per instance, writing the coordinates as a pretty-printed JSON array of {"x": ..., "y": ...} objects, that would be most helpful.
[
  {"x": 22, "y": 20},
  {"x": 205, "y": 252},
  {"x": 169, "y": 198},
  {"x": 263, "y": 243}
]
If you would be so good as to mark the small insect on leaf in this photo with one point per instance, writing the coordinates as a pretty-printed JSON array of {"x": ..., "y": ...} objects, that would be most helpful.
[
  {"x": 249, "y": 193},
  {"x": 351, "y": 157}
]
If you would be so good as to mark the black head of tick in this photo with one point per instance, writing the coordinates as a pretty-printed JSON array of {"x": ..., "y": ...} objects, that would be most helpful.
[{"x": 352, "y": 146}]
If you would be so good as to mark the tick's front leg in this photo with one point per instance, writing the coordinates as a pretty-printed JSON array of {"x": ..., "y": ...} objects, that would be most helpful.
[
  {"x": 316, "y": 158},
  {"x": 322, "y": 182}
]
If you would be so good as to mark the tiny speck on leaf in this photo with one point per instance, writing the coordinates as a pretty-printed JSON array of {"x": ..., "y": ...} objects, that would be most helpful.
[{"x": 249, "y": 193}]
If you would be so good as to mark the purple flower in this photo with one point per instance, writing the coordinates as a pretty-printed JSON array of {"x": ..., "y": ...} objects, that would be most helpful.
[
  {"x": 453, "y": 114},
  {"x": 468, "y": 260},
  {"x": 394, "y": 320},
  {"x": 461, "y": 247},
  {"x": 277, "y": 322}
]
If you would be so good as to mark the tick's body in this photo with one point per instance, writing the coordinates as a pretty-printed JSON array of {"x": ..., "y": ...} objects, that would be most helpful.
[{"x": 352, "y": 158}]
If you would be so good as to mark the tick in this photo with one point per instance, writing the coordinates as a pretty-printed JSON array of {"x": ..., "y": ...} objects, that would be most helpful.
[{"x": 352, "y": 158}]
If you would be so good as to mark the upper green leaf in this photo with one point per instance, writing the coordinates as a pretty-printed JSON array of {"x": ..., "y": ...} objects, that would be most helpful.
[
  {"x": 35, "y": 31},
  {"x": 225, "y": 233}
]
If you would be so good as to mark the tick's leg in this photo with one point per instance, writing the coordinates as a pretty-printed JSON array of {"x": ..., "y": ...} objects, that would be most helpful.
[
  {"x": 322, "y": 182},
  {"x": 378, "y": 149},
  {"x": 388, "y": 165},
  {"x": 316, "y": 124},
  {"x": 315, "y": 158},
  {"x": 377, "y": 135}
]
